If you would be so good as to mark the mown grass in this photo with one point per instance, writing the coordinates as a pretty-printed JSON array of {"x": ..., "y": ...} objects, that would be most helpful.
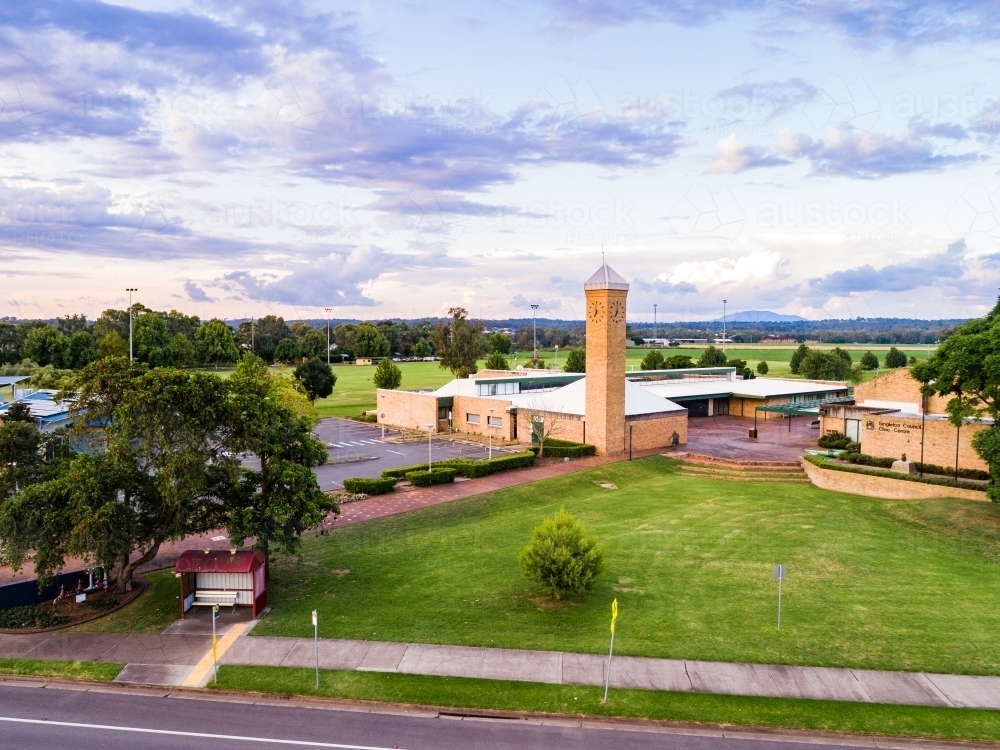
[
  {"x": 151, "y": 612},
  {"x": 457, "y": 692},
  {"x": 77, "y": 670},
  {"x": 871, "y": 583}
]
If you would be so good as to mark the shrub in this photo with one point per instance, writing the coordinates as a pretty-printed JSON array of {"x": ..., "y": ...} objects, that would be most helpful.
[
  {"x": 652, "y": 361},
  {"x": 437, "y": 475},
  {"x": 565, "y": 448},
  {"x": 560, "y": 557},
  {"x": 762, "y": 368},
  {"x": 31, "y": 616},
  {"x": 387, "y": 375},
  {"x": 369, "y": 486},
  {"x": 470, "y": 467},
  {"x": 833, "y": 440},
  {"x": 855, "y": 457},
  {"x": 496, "y": 361},
  {"x": 712, "y": 357},
  {"x": 949, "y": 471},
  {"x": 576, "y": 361},
  {"x": 895, "y": 358},
  {"x": 869, "y": 361},
  {"x": 370, "y": 418}
]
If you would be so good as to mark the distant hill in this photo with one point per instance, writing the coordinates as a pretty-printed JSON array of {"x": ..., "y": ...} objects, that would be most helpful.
[{"x": 760, "y": 316}]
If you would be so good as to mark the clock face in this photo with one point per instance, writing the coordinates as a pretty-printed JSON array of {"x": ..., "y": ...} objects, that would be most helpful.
[
  {"x": 616, "y": 312},
  {"x": 596, "y": 313}
]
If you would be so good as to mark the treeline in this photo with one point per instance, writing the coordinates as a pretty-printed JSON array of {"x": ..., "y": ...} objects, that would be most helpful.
[{"x": 859, "y": 330}]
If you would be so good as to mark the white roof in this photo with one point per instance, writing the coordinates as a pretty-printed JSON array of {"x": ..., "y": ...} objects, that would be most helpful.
[
  {"x": 757, "y": 388},
  {"x": 606, "y": 278}
]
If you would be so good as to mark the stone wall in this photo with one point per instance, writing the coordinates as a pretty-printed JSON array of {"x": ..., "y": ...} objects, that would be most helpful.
[
  {"x": 655, "y": 431},
  {"x": 407, "y": 409},
  {"x": 892, "y": 435},
  {"x": 567, "y": 426},
  {"x": 898, "y": 386},
  {"x": 463, "y": 406},
  {"x": 883, "y": 487}
]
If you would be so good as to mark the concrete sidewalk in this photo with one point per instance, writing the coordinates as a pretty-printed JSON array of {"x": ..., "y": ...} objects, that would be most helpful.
[{"x": 765, "y": 680}]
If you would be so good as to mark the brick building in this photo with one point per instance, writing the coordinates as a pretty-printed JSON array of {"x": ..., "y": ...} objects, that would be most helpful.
[{"x": 890, "y": 417}]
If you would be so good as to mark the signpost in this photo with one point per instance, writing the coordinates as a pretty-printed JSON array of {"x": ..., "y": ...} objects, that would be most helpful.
[
  {"x": 316, "y": 638},
  {"x": 607, "y": 679},
  {"x": 215, "y": 650},
  {"x": 779, "y": 576}
]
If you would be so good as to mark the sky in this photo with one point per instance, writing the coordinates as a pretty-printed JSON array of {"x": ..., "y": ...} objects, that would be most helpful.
[{"x": 825, "y": 158}]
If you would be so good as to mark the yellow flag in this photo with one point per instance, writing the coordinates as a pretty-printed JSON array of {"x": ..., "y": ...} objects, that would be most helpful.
[{"x": 614, "y": 615}]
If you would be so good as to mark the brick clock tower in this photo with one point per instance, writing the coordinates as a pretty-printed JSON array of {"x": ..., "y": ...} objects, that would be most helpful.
[{"x": 605, "y": 411}]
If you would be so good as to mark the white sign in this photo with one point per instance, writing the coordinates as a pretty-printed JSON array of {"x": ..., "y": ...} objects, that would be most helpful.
[
  {"x": 779, "y": 572},
  {"x": 81, "y": 598},
  {"x": 314, "y": 617}
]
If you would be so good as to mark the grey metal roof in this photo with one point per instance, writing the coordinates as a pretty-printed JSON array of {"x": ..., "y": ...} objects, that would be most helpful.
[
  {"x": 606, "y": 278},
  {"x": 12, "y": 379}
]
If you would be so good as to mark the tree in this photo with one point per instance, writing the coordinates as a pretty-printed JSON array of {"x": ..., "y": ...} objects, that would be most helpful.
[
  {"x": 10, "y": 343},
  {"x": 741, "y": 368},
  {"x": 278, "y": 499},
  {"x": 387, "y": 375},
  {"x": 576, "y": 361},
  {"x": 20, "y": 450},
  {"x": 560, "y": 557},
  {"x": 369, "y": 342},
  {"x": 819, "y": 365},
  {"x": 895, "y": 358},
  {"x": 214, "y": 343},
  {"x": 499, "y": 343},
  {"x": 653, "y": 361},
  {"x": 458, "y": 342},
  {"x": 421, "y": 349},
  {"x": 496, "y": 361},
  {"x": 46, "y": 346},
  {"x": 869, "y": 361},
  {"x": 344, "y": 336},
  {"x": 112, "y": 345},
  {"x": 184, "y": 352},
  {"x": 286, "y": 352},
  {"x": 312, "y": 343},
  {"x": 178, "y": 322},
  {"x": 81, "y": 351},
  {"x": 677, "y": 362},
  {"x": 762, "y": 368},
  {"x": 712, "y": 357},
  {"x": 966, "y": 367},
  {"x": 151, "y": 340},
  {"x": 797, "y": 357},
  {"x": 316, "y": 378}
]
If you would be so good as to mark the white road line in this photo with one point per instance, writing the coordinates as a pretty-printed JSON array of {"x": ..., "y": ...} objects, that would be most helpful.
[
  {"x": 398, "y": 453},
  {"x": 174, "y": 733}
]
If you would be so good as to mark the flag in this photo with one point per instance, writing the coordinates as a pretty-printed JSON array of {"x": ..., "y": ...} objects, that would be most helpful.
[{"x": 614, "y": 615}]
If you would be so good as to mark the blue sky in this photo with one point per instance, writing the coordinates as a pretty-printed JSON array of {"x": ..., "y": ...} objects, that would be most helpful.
[{"x": 827, "y": 158}]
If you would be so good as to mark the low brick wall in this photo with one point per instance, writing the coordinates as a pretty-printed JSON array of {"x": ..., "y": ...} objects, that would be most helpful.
[{"x": 883, "y": 487}]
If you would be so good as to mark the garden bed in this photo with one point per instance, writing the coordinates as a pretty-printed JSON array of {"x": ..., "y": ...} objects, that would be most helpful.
[{"x": 40, "y": 618}]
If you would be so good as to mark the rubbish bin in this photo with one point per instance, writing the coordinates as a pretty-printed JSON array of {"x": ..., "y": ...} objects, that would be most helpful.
[{"x": 753, "y": 433}]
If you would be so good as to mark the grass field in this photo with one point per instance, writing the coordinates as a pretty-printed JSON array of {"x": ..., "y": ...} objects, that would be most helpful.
[
  {"x": 871, "y": 583},
  {"x": 152, "y": 612},
  {"x": 77, "y": 670},
  {"x": 919, "y": 721}
]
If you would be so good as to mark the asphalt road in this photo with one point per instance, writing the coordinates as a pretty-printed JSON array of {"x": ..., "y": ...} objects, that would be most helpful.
[
  {"x": 34, "y": 718},
  {"x": 357, "y": 449}
]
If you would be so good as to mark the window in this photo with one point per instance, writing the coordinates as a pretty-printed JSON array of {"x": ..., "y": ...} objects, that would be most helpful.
[
  {"x": 497, "y": 389},
  {"x": 496, "y": 421},
  {"x": 472, "y": 418}
]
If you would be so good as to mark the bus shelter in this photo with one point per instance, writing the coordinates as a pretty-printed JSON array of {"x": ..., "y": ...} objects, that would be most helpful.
[{"x": 234, "y": 578}]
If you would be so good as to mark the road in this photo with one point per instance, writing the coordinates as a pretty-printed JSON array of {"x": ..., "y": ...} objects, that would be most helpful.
[
  {"x": 35, "y": 718},
  {"x": 348, "y": 441}
]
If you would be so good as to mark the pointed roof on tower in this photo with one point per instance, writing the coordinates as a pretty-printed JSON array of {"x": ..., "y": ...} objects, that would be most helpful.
[{"x": 606, "y": 278}]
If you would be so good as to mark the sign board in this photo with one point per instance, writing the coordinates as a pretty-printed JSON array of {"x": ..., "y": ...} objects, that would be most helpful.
[
  {"x": 215, "y": 611},
  {"x": 779, "y": 572},
  {"x": 80, "y": 598},
  {"x": 314, "y": 617}
]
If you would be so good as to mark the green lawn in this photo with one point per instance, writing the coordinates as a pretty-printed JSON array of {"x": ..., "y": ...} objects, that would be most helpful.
[
  {"x": 919, "y": 721},
  {"x": 152, "y": 612},
  {"x": 871, "y": 583},
  {"x": 77, "y": 670}
]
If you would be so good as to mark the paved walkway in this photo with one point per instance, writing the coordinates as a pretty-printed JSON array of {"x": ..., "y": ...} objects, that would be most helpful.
[{"x": 187, "y": 660}]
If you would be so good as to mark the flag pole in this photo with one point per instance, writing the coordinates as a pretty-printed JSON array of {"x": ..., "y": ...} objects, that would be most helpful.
[{"x": 607, "y": 679}]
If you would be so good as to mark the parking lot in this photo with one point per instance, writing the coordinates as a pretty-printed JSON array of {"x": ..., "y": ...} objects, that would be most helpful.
[{"x": 357, "y": 449}]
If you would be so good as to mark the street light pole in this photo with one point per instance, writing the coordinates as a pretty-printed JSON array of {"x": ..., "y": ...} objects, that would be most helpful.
[
  {"x": 534, "y": 338},
  {"x": 328, "y": 311},
  {"x": 130, "y": 290},
  {"x": 489, "y": 429},
  {"x": 654, "y": 322},
  {"x": 724, "y": 325},
  {"x": 555, "y": 362},
  {"x": 430, "y": 464}
]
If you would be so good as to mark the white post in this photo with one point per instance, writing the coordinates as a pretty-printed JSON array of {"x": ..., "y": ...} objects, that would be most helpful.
[
  {"x": 779, "y": 604},
  {"x": 215, "y": 652},
  {"x": 489, "y": 429},
  {"x": 607, "y": 679},
  {"x": 430, "y": 464},
  {"x": 316, "y": 639},
  {"x": 328, "y": 310}
]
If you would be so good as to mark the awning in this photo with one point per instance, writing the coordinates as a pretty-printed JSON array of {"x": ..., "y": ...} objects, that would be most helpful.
[
  {"x": 801, "y": 408},
  {"x": 212, "y": 561}
]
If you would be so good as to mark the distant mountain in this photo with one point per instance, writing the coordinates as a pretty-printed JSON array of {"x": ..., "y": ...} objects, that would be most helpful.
[{"x": 760, "y": 316}]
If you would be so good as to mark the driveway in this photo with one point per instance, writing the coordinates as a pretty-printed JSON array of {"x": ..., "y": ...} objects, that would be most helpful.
[{"x": 357, "y": 449}]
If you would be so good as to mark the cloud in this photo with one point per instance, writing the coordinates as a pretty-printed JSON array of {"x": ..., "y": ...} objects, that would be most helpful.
[
  {"x": 930, "y": 270},
  {"x": 521, "y": 302},
  {"x": 195, "y": 293},
  {"x": 662, "y": 286},
  {"x": 737, "y": 156},
  {"x": 709, "y": 273},
  {"x": 337, "y": 280}
]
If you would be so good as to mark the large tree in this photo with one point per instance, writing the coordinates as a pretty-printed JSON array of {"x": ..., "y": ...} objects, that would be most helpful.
[
  {"x": 215, "y": 343},
  {"x": 279, "y": 498},
  {"x": 458, "y": 342},
  {"x": 46, "y": 345},
  {"x": 369, "y": 341},
  {"x": 151, "y": 340},
  {"x": 316, "y": 378},
  {"x": 966, "y": 366}
]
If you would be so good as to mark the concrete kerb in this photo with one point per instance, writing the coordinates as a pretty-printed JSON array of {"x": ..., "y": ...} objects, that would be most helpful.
[{"x": 650, "y": 726}]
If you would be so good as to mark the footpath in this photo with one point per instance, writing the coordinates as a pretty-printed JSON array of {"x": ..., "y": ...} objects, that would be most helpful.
[{"x": 176, "y": 659}]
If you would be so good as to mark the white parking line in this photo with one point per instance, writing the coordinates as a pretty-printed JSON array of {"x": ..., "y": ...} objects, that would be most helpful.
[
  {"x": 175, "y": 733},
  {"x": 398, "y": 453}
]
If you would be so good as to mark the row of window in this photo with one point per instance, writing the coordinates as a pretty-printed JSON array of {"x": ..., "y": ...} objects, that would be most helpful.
[{"x": 493, "y": 421}]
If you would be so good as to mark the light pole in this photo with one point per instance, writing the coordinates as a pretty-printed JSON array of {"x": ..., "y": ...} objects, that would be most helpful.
[
  {"x": 430, "y": 465},
  {"x": 489, "y": 429},
  {"x": 654, "y": 321},
  {"x": 130, "y": 290},
  {"x": 328, "y": 311},
  {"x": 724, "y": 325},
  {"x": 555, "y": 362},
  {"x": 534, "y": 338}
]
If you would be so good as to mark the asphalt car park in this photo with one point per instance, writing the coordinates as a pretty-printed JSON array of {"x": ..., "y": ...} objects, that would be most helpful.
[{"x": 357, "y": 449}]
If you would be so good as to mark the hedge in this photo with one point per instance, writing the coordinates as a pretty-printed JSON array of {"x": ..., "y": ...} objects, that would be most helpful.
[
  {"x": 370, "y": 418},
  {"x": 469, "y": 467},
  {"x": 866, "y": 460},
  {"x": 370, "y": 486},
  {"x": 886, "y": 463},
  {"x": 562, "y": 448},
  {"x": 424, "y": 478},
  {"x": 825, "y": 463}
]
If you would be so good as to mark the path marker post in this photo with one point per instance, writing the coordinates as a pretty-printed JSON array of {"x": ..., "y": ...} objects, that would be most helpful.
[
  {"x": 779, "y": 576},
  {"x": 215, "y": 649},
  {"x": 607, "y": 679},
  {"x": 316, "y": 640}
]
